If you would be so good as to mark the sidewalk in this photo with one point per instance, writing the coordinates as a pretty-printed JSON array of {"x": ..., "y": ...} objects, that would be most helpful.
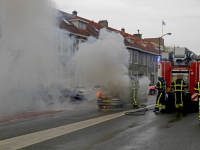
[{"x": 24, "y": 115}]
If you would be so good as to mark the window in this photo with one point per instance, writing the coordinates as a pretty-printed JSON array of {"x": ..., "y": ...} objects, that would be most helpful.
[
  {"x": 152, "y": 58},
  {"x": 130, "y": 60},
  {"x": 65, "y": 49},
  {"x": 140, "y": 59},
  {"x": 78, "y": 42},
  {"x": 131, "y": 40},
  {"x": 136, "y": 74},
  {"x": 148, "y": 59},
  {"x": 135, "y": 57},
  {"x": 82, "y": 41},
  {"x": 144, "y": 60},
  {"x": 130, "y": 73},
  {"x": 144, "y": 44},
  {"x": 82, "y": 25}
]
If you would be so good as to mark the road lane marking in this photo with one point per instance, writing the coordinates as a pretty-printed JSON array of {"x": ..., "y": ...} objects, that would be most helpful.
[{"x": 40, "y": 136}]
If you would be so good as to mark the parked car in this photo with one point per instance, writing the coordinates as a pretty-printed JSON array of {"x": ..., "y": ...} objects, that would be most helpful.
[
  {"x": 77, "y": 93},
  {"x": 52, "y": 93},
  {"x": 152, "y": 89},
  {"x": 96, "y": 87}
]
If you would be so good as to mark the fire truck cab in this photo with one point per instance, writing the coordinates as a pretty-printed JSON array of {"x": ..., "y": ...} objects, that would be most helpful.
[{"x": 186, "y": 63}]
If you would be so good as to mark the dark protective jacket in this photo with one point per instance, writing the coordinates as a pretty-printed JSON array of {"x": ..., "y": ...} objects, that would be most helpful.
[
  {"x": 161, "y": 86},
  {"x": 197, "y": 88},
  {"x": 178, "y": 85}
]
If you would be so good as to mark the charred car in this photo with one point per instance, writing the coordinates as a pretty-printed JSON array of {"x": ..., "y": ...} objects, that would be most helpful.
[{"x": 108, "y": 99}]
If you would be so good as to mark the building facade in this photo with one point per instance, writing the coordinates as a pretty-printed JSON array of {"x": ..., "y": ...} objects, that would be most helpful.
[{"x": 143, "y": 52}]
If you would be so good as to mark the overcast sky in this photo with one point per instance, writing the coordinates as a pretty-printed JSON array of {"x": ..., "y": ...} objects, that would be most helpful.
[{"x": 182, "y": 18}]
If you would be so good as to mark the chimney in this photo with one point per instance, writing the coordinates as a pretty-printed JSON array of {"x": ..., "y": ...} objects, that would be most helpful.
[
  {"x": 104, "y": 23},
  {"x": 123, "y": 30},
  {"x": 74, "y": 13},
  {"x": 138, "y": 35}
]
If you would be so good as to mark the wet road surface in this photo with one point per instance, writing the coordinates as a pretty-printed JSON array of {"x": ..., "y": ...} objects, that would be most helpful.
[{"x": 119, "y": 131}]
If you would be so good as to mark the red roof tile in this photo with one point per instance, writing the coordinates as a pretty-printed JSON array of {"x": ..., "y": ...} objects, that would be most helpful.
[{"x": 93, "y": 28}]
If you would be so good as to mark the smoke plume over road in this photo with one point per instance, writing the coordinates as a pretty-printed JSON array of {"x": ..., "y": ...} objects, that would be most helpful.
[
  {"x": 27, "y": 51},
  {"x": 28, "y": 58},
  {"x": 103, "y": 61}
]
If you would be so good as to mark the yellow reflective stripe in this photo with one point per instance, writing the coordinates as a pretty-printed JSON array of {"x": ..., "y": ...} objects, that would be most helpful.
[
  {"x": 181, "y": 100},
  {"x": 178, "y": 90},
  {"x": 158, "y": 101},
  {"x": 199, "y": 106},
  {"x": 159, "y": 85},
  {"x": 174, "y": 86},
  {"x": 163, "y": 106},
  {"x": 198, "y": 88},
  {"x": 134, "y": 98},
  {"x": 176, "y": 105},
  {"x": 181, "y": 84}
]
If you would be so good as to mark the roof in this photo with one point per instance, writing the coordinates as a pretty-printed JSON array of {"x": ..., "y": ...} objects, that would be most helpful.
[{"x": 93, "y": 30}]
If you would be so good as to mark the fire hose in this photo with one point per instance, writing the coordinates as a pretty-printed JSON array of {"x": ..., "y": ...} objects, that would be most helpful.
[{"x": 139, "y": 112}]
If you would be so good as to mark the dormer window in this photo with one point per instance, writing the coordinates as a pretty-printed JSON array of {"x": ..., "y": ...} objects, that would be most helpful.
[
  {"x": 82, "y": 25},
  {"x": 79, "y": 23},
  {"x": 156, "y": 47},
  {"x": 143, "y": 44},
  {"x": 131, "y": 40}
]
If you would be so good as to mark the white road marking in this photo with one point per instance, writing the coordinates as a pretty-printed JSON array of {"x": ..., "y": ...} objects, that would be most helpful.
[{"x": 37, "y": 137}]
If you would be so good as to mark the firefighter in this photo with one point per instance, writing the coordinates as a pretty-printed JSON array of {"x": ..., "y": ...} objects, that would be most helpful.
[
  {"x": 134, "y": 87},
  {"x": 161, "y": 97},
  {"x": 197, "y": 90},
  {"x": 178, "y": 87}
]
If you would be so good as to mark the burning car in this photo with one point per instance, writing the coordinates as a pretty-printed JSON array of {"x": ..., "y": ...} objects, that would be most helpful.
[
  {"x": 108, "y": 99},
  {"x": 120, "y": 97}
]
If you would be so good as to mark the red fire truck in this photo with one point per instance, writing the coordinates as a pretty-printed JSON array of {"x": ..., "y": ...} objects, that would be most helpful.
[{"x": 186, "y": 63}]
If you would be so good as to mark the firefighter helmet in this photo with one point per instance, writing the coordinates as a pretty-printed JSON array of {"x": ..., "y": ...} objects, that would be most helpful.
[
  {"x": 160, "y": 78},
  {"x": 133, "y": 78}
]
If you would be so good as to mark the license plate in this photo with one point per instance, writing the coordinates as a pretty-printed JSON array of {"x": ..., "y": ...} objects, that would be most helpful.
[{"x": 106, "y": 101}]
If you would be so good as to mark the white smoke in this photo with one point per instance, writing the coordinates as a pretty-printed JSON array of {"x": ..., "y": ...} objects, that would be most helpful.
[
  {"x": 28, "y": 58},
  {"x": 103, "y": 61},
  {"x": 27, "y": 51},
  {"x": 144, "y": 83}
]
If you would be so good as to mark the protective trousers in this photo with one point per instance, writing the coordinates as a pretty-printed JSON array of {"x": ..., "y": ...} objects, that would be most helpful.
[
  {"x": 199, "y": 105},
  {"x": 178, "y": 99},
  {"x": 134, "y": 93},
  {"x": 161, "y": 100}
]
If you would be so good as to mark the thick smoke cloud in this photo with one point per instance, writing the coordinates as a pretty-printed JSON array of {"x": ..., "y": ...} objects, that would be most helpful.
[
  {"x": 103, "y": 61},
  {"x": 29, "y": 62},
  {"x": 27, "y": 51}
]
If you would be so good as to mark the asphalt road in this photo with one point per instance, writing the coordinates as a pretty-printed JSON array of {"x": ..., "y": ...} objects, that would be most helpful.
[{"x": 88, "y": 128}]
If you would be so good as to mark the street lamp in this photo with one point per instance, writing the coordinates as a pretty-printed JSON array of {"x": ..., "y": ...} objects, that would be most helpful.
[{"x": 160, "y": 38}]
